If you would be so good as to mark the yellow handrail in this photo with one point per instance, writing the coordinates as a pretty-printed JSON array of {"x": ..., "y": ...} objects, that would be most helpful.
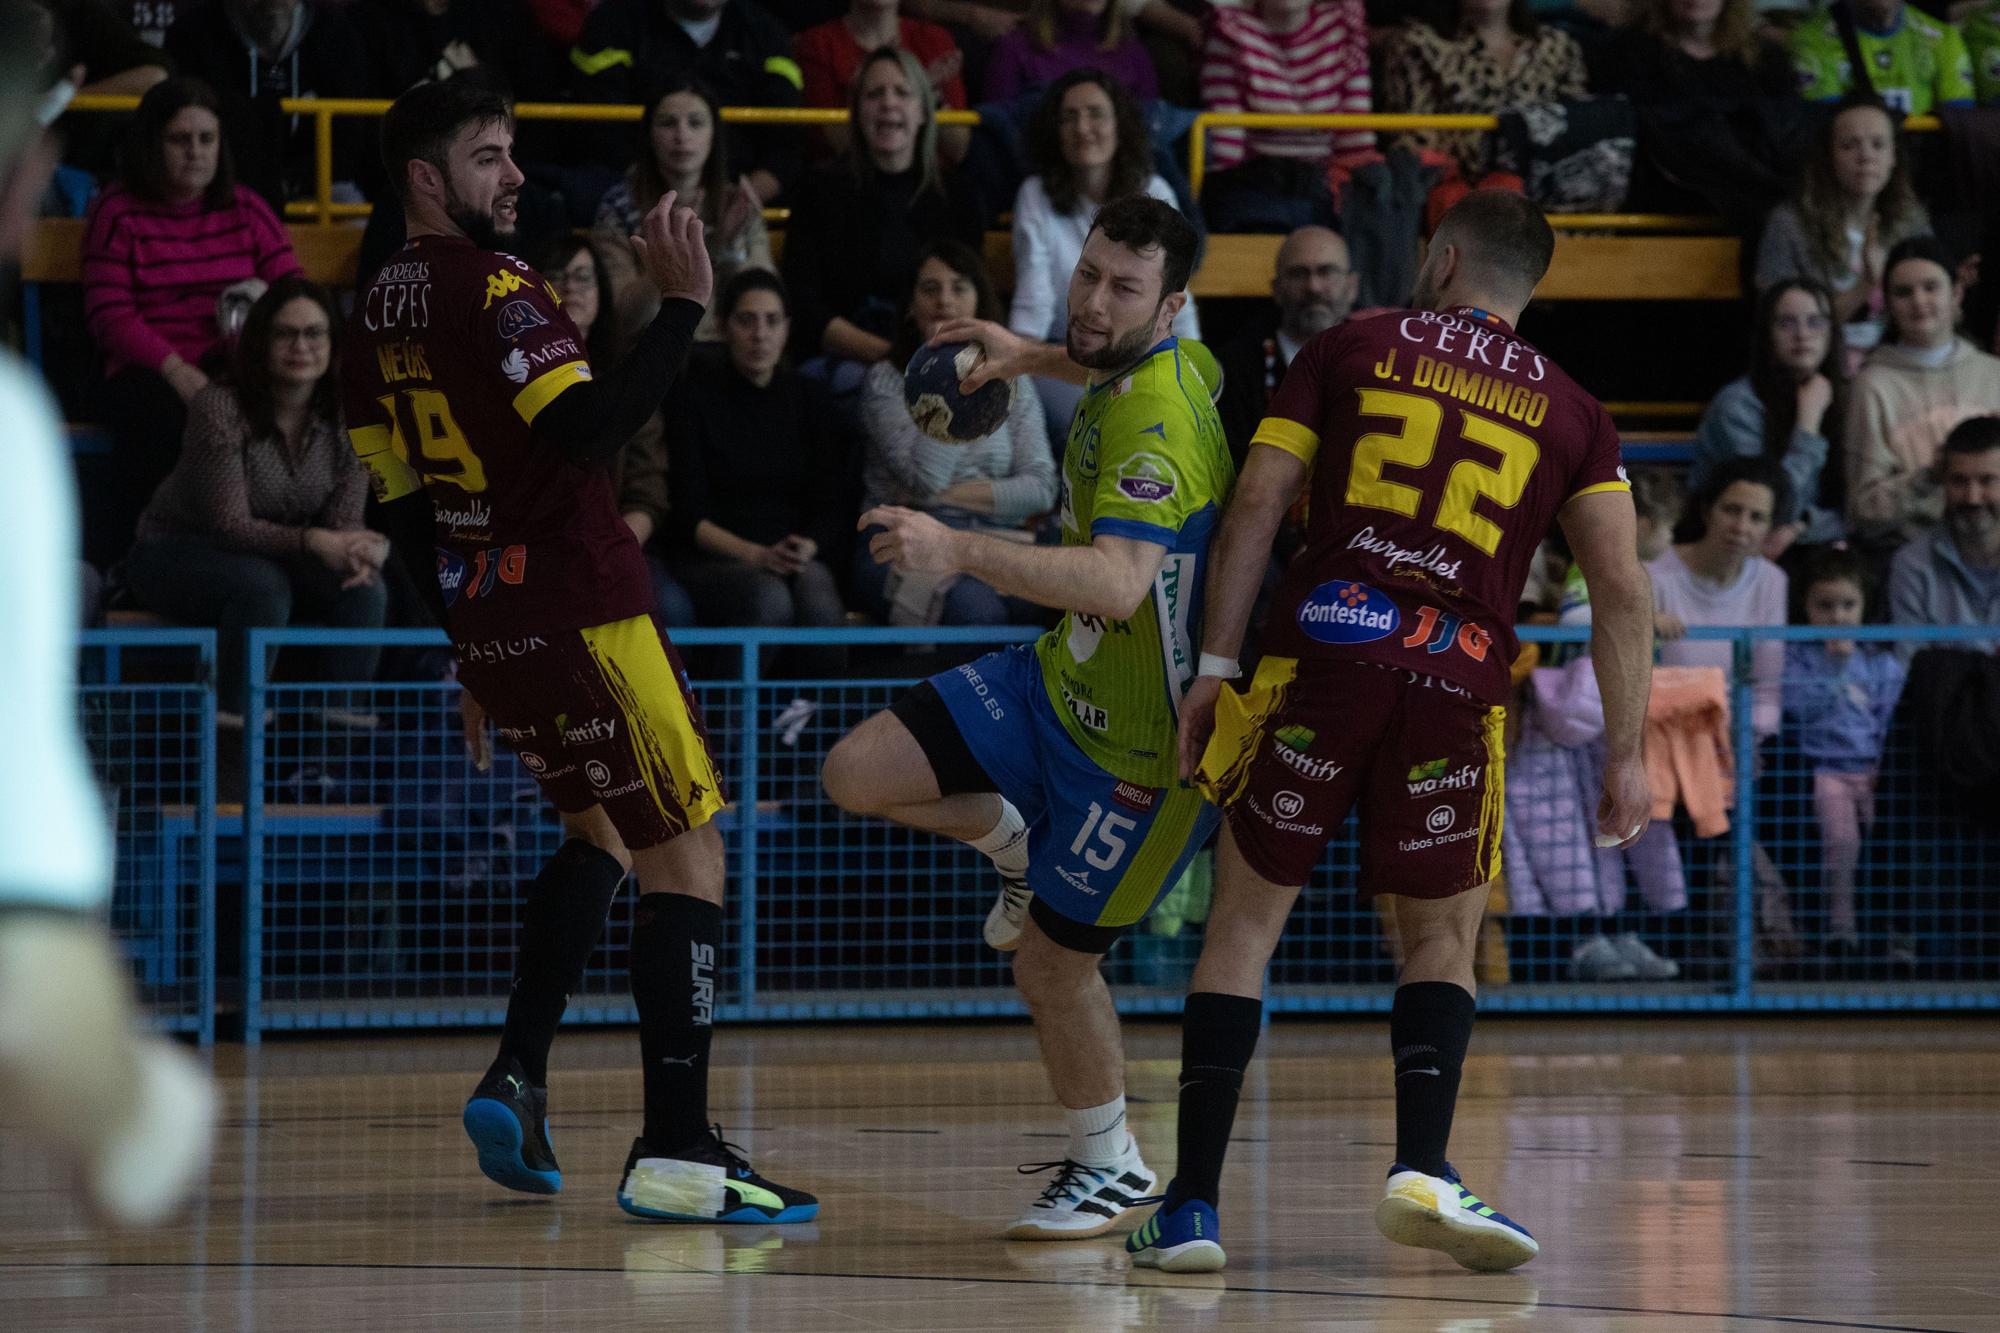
[{"x": 324, "y": 109}]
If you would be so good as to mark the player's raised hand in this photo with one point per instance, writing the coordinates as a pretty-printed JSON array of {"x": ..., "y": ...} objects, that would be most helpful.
[
  {"x": 1627, "y": 803},
  {"x": 674, "y": 253},
  {"x": 1006, "y": 352},
  {"x": 910, "y": 541},
  {"x": 1197, "y": 722}
]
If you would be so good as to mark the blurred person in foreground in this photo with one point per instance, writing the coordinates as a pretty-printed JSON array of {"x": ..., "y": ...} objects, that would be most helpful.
[{"x": 134, "y": 1114}]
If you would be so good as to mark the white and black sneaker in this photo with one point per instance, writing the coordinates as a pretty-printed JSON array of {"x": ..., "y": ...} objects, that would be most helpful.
[
  {"x": 1084, "y": 1201},
  {"x": 1009, "y": 914}
]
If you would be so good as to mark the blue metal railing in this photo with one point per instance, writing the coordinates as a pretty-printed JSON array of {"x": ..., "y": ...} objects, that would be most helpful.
[{"x": 381, "y": 873}]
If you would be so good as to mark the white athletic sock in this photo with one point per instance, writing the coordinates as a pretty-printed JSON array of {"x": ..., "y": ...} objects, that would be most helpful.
[
  {"x": 1097, "y": 1134},
  {"x": 1006, "y": 843}
]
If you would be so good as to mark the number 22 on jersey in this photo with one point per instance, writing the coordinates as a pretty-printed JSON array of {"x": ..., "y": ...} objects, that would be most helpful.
[
  {"x": 1420, "y": 420},
  {"x": 442, "y": 451}
]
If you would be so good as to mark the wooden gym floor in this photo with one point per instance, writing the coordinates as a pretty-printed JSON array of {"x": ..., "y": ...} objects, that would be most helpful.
[{"x": 1680, "y": 1175}]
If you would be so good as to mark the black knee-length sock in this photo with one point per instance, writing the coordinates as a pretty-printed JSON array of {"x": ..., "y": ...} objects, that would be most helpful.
[
  {"x": 1218, "y": 1037},
  {"x": 676, "y": 945},
  {"x": 560, "y": 926},
  {"x": 1430, "y": 1026}
]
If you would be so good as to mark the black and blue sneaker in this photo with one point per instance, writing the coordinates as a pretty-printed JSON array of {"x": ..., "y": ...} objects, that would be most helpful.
[
  {"x": 507, "y": 1120},
  {"x": 708, "y": 1181},
  {"x": 1440, "y": 1213},
  {"x": 1182, "y": 1236}
]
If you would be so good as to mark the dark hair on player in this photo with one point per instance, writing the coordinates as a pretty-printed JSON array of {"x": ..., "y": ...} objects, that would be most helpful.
[
  {"x": 422, "y": 123},
  {"x": 1506, "y": 241},
  {"x": 1974, "y": 435},
  {"x": 1756, "y": 470},
  {"x": 1140, "y": 223},
  {"x": 748, "y": 281},
  {"x": 969, "y": 264},
  {"x": 1131, "y": 158},
  {"x": 142, "y": 167},
  {"x": 1916, "y": 249},
  {"x": 253, "y": 355}
]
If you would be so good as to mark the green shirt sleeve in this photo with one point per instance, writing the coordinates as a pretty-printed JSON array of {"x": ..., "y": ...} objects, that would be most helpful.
[
  {"x": 1147, "y": 484},
  {"x": 1954, "y": 69},
  {"x": 1821, "y": 61}
]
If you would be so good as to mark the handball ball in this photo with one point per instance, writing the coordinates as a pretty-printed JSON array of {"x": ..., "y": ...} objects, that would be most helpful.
[{"x": 940, "y": 409}]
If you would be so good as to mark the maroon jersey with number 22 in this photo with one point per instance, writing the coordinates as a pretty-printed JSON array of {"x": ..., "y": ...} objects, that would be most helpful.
[
  {"x": 453, "y": 351},
  {"x": 1442, "y": 446}
]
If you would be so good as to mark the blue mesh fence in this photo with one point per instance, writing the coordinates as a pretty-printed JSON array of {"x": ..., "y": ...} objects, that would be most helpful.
[
  {"x": 146, "y": 707},
  {"x": 388, "y": 873}
]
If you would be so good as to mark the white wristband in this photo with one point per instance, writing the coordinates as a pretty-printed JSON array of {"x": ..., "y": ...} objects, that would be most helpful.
[{"x": 1222, "y": 668}]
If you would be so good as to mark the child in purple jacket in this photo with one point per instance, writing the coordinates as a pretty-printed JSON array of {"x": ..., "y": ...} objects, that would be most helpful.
[{"x": 1839, "y": 696}]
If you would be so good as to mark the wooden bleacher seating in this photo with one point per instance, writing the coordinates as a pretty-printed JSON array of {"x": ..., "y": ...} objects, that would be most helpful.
[{"x": 1587, "y": 267}]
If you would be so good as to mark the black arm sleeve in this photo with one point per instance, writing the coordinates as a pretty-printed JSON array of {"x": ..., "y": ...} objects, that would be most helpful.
[
  {"x": 592, "y": 420},
  {"x": 411, "y": 528}
]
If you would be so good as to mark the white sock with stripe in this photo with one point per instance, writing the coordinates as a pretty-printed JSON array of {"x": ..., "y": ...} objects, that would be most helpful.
[
  {"x": 1097, "y": 1134},
  {"x": 1006, "y": 843}
]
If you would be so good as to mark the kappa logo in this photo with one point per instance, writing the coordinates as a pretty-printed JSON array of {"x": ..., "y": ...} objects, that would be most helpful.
[
  {"x": 515, "y": 366},
  {"x": 502, "y": 285}
]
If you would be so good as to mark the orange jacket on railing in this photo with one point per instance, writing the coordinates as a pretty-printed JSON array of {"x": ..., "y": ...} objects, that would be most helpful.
[{"x": 1689, "y": 760}]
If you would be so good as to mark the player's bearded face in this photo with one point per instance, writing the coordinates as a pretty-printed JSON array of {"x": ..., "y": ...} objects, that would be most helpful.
[
  {"x": 487, "y": 225},
  {"x": 1122, "y": 348}
]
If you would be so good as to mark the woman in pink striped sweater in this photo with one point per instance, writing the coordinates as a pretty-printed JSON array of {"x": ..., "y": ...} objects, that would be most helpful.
[
  {"x": 162, "y": 245},
  {"x": 1282, "y": 56}
]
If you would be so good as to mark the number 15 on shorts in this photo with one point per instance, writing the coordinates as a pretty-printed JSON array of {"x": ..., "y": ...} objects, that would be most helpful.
[{"x": 1109, "y": 828}]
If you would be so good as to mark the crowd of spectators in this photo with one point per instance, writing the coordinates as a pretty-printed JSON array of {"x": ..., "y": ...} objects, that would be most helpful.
[{"x": 1851, "y": 471}]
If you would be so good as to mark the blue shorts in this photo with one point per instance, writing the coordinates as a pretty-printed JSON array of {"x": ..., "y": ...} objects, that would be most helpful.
[{"x": 1101, "y": 851}]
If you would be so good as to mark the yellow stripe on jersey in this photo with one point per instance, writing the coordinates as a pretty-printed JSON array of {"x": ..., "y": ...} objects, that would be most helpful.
[
  {"x": 787, "y": 69},
  {"x": 547, "y": 387},
  {"x": 1603, "y": 486},
  {"x": 1239, "y": 725},
  {"x": 389, "y": 472},
  {"x": 1493, "y": 804},
  {"x": 1290, "y": 436},
  {"x": 596, "y": 62},
  {"x": 1140, "y": 886},
  {"x": 665, "y": 739}
]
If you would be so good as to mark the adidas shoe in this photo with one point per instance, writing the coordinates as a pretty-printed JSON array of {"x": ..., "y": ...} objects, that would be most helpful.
[
  {"x": 1646, "y": 965},
  {"x": 1009, "y": 915},
  {"x": 1084, "y": 1201},
  {"x": 1182, "y": 1236},
  {"x": 507, "y": 1119},
  {"x": 707, "y": 1182},
  {"x": 1439, "y": 1213}
]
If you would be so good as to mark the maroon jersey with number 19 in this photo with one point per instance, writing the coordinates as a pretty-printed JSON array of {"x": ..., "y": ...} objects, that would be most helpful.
[
  {"x": 453, "y": 351},
  {"x": 1442, "y": 447}
]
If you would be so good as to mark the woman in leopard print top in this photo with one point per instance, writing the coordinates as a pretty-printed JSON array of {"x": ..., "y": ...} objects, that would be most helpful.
[{"x": 1496, "y": 58}]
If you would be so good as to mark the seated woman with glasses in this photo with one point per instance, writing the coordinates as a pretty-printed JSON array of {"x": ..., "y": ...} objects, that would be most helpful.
[{"x": 259, "y": 524}]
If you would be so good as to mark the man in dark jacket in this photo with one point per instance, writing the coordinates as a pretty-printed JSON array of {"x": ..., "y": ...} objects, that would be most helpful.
[
  {"x": 1313, "y": 288},
  {"x": 735, "y": 47},
  {"x": 256, "y": 53}
]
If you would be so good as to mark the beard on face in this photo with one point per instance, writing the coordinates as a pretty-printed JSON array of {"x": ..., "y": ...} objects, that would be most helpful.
[
  {"x": 1313, "y": 317},
  {"x": 1121, "y": 350},
  {"x": 480, "y": 226}
]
